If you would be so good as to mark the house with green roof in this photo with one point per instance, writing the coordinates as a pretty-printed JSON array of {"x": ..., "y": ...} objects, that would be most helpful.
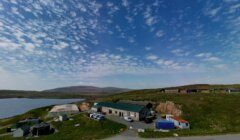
[{"x": 135, "y": 111}]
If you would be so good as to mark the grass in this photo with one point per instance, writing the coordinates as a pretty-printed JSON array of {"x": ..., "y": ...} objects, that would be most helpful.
[
  {"x": 207, "y": 113},
  {"x": 89, "y": 129}
]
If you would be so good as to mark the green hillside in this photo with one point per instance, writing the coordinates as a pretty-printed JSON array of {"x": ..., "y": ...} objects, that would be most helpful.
[{"x": 207, "y": 113}]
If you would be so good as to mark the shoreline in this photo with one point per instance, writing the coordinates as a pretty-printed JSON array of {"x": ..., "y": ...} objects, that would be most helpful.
[{"x": 40, "y": 106}]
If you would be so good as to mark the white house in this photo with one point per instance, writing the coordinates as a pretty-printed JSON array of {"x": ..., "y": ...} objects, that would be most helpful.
[{"x": 179, "y": 123}]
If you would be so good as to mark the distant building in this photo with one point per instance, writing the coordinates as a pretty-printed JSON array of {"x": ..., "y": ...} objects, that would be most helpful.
[
  {"x": 233, "y": 90},
  {"x": 219, "y": 90},
  {"x": 192, "y": 90},
  {"x": 179, "y": 123},
  {"x": 136, "y": 112},
  {"x": 171, "y": 90},
  {"x": 22, "y": 131},
  {"x": 68, "y": 109},
  {"x": 183, "y": 91},
  {"x": 41, "y": 129},
  {"x": 203, "y": 90}
]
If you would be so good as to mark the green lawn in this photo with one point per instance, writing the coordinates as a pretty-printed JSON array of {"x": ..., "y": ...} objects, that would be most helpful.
[
  {"x": 207, "y": 113},
  {"x": 89, "y": 129}
]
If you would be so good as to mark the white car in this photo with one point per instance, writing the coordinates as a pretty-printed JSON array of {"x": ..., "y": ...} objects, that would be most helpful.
[{"x": 129, "y": 119}]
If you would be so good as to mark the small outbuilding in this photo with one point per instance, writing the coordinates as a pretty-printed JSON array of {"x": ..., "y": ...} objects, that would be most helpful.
[
  {"x": 179, "y": 123},
  {"x": 41, "y": 129},
  {"x": 63, "y": 117},
  {"x": 21, "y": 132}
]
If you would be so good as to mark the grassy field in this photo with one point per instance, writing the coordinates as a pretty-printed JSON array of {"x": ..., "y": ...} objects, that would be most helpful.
[
  {"x": 89, "y": 129},
  {"x": 207, "y": 113}
]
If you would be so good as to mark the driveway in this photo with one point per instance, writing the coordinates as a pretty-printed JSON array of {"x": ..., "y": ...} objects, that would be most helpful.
[
  {"x": 131, "y": 134},
  {"x": 218, "y": 137},
  {"x": 136, "y": 125}
]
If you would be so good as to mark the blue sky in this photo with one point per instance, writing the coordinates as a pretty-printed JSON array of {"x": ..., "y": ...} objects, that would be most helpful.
[{"x": 124, "y": 43}]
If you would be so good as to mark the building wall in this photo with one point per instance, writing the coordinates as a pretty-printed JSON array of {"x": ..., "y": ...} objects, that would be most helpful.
[
  {"x": 121, "y": 113},
  {"x": 55, "y": 114},
  {"x": 204, "y": 90},
  {"x": 18, "y": 133},
  {"x": 180, "y": 125},
  {"x": 183, "y": 91},
  {"x": 171, "y": 91}
]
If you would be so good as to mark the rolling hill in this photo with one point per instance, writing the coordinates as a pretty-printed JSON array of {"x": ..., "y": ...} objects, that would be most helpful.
[{"x": 88, "y": 90}]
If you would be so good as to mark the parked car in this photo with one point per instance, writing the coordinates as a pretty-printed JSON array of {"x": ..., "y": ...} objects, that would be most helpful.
[
  {"x": 149, "y": 119},
  {"x": 129, "y": 119},
  {"x": 96, "y": 116},
  {"x": 92, "y": 115},
  {"x": 100, "y": 118}
]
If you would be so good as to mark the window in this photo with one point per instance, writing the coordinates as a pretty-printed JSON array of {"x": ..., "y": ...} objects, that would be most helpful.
[
  {"x": 186, "y": 124},
  {"x": 110, "y": 111},
  {"x": 179, "y": 123},
  {"x": 116, "y": 112}
]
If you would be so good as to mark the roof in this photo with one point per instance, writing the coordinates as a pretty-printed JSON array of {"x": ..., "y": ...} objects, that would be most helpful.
[
  {"x": 179, "y": 120},
  {"x": 163, "y": 120},
  {"x": 41, "y": 125},
  {"x": 122, "y": 106},
  {"x": 25, "y": 128},
  {"x": 63, "y": 108},
  {"x": 144, "y": 103}
]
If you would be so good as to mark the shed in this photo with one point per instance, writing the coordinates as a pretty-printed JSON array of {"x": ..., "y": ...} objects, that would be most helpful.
[
  {"x": 172, "y": 90},
  {"x": 41, "y": 129},
  {"x": 22, "y": 131},
  {"x": 164, "y": 124},
  {"x": 63, "y": 117},
  {"x": 180, "y": 123}
]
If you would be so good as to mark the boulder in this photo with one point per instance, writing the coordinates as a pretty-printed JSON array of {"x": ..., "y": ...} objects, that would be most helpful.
[{"x": 84, "y": 106}]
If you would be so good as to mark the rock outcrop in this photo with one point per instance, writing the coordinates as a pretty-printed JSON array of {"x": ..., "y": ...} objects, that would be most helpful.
[
  {"x": 169, "y": 108},
  {"x": 84, "y": 106}
]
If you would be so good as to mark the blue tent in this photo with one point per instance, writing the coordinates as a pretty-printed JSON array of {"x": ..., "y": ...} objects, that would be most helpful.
[{"x": 164, "y": 124}]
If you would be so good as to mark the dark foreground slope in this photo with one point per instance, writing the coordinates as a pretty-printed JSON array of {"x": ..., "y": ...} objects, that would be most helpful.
[{"x": 207, "y": 113}]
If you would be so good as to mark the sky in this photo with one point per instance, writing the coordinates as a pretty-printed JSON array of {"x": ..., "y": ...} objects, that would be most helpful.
[{"x": 123, "y": 43}]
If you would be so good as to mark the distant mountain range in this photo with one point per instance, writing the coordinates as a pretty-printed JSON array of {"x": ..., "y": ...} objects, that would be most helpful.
[{"x": 88, "y": 90}]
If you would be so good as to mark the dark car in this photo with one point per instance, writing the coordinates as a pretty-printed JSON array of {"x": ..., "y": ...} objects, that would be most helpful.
[{"x": 148, "y": 119}]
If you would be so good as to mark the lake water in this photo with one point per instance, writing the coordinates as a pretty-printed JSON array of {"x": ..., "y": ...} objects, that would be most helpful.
[{"x": 14, "y": 106}]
